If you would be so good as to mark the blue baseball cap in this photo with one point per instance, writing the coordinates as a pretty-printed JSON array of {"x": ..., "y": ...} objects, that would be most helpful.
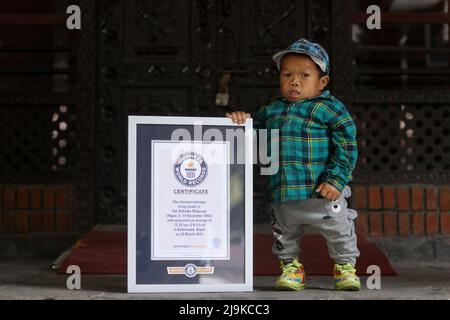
[{"x": 312, "y": 49}]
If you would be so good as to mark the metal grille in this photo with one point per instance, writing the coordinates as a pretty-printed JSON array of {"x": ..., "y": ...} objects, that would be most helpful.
[
  {"x": 36, "y": 141},
  {"x": 403, "y": 137},
  {"x": 395, "y": 81}
]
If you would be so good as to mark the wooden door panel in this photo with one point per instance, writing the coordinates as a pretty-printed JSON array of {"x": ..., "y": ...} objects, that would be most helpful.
[{"x": 167, "y": 57}]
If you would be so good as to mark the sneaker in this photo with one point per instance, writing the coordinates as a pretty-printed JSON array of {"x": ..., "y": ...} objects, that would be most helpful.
[
  {"x": 345, "y": 278},
  {"x": 292, "y": 277}
]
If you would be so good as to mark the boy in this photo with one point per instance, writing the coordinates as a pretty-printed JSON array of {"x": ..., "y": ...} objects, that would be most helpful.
[{"x": 318, "y": 153}]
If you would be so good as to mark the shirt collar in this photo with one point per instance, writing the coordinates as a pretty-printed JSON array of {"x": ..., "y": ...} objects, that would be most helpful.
[{"x": 325, "y": 95}]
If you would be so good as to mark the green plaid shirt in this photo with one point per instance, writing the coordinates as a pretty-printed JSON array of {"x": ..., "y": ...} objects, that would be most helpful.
[{"x": 317, "y": 141}]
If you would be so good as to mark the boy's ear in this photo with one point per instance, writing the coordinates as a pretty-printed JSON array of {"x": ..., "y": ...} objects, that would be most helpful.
[{"x": 323, "y": 82}]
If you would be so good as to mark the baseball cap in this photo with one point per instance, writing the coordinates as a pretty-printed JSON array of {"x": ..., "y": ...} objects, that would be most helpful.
[{"x": 312, "y": 49}]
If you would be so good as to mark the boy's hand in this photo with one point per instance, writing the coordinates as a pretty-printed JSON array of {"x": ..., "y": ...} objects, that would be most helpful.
[
  {"x": 328, "y": 191},
  {"x": 238, "y": 117}
]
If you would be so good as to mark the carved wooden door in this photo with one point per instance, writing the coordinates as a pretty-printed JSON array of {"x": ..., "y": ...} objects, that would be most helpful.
[{"x": 167, "y": 57}]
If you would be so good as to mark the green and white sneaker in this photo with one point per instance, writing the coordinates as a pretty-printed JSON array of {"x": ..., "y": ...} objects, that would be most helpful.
[
  {"x": 292, "y": 276},
  {"x": 345, "y": 278}
]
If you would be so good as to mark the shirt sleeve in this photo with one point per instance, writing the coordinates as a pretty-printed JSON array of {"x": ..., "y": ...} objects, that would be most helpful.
[{"x": 345, "y": 150}]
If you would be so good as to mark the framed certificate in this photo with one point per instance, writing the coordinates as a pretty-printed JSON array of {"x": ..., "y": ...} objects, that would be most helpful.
[{"x": 189, "y": 204}]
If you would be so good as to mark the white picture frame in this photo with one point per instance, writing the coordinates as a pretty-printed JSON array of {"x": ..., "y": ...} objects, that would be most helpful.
[{"x": 193, "y": 278}]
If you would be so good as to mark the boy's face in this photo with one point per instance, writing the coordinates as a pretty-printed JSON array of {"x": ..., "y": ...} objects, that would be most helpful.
[{"x": 299, "y": 78}]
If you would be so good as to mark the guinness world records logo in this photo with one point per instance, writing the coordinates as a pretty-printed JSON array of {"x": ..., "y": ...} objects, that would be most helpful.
[
  {"x": 190, "y": 169},
  {"x": 190, "y": 270}
]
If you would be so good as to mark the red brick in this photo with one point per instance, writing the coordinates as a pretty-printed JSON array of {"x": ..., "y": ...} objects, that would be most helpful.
[
  {"x": 49, "y": 198},
  {"x": 431, "y": 200},
  {"x": 360, "y": 197},
  {"x": 362, "y": 223},
  {"x": 375, "y": 198},
  {"x": 376, "y": 224},
  {"x": 432, "y": 223},
  {"x": 404, "y": 223},
  {"x": 390, "y": 223},
  {"x": 403, "y": 199},
  {"x": 444, "y": 202},
  {"x": 8, "y": 222},
  {"x": 417, "y": 199},
  {"x": 22, "y": 198},
  {"x": 48, "y": 220},
  {"x": 62, "y": 197},
  {"x": 36, "y": 197},
  {"x": 445, "y": 223},
  {"x": 388, "y": 197},
  {"x": 418, "y": 224},
  {"x": 36, "y": 221},
  {"x": 9, "y": 198},
  {"x": 22, "y": 221}
]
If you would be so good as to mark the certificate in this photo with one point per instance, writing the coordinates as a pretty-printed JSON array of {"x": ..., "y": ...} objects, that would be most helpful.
[
  {"x": 190, "y": 200},
  {"x": 190, "y": 209}
]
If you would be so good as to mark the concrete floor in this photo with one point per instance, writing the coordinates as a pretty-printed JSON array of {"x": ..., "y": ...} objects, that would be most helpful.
[{"x": 36, "y": 280}]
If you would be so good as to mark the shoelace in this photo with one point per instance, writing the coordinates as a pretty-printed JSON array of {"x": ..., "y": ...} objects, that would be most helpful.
[
  {"x": 291, "y": 267},
  {"x": 346, "y": 269}
]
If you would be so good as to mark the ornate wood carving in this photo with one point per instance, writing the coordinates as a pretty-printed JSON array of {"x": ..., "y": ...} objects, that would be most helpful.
[
  {"x": 171, "y": 63},
  {"x": 156, "y": 61}
]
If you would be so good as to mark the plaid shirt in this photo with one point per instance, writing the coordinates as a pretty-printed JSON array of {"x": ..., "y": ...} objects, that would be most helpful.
[{"x": 317, "y": 140}]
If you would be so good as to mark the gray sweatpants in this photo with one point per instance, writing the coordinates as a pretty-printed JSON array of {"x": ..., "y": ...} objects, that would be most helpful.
[{"x": 332, "y": 219}]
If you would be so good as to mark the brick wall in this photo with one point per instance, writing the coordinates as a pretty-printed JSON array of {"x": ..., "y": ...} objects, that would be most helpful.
[
  {"x": 35, "y": 209},
  {"x": 386, "y": 210},
  {"x": 402, "y": 210}
]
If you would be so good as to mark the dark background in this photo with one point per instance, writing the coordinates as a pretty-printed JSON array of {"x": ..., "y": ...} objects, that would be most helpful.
[{"x": 65, "y": 97}]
